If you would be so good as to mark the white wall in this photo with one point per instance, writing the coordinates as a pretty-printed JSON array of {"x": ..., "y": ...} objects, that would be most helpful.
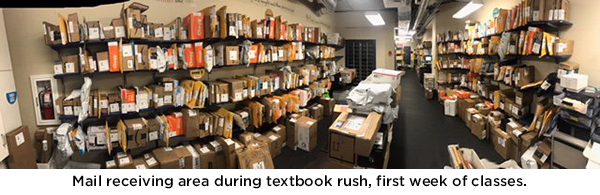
[{"x": 354, "y": 25}]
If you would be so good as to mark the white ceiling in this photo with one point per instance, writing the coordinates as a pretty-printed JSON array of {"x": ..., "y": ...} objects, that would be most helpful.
[{"x": 359, "y": 5}]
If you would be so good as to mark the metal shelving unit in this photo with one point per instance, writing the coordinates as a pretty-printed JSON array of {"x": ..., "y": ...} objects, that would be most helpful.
[{"x": 361, "y": 55}]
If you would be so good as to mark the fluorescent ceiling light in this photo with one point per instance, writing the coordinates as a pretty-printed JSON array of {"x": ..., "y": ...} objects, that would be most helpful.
[
  {"x": 375, "y": 18},
  {"x": 471, "y": 7}
]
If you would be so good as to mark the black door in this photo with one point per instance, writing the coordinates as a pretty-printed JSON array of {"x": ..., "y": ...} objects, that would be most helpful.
[{"x": 360, "y": 54}]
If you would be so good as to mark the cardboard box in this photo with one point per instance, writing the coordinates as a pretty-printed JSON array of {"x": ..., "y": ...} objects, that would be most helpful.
[
  {"x": 142, "y": 60},
  {"x": 328, "y": 104},
  {"x": 195, "y": 124},
  {"x": 463, "y": 104},
  {"x": 93, "y": 30},
  {"x": 524, "y": 75},
  {"x": 114, "y": 102},
  {"x": 523, "y": 98},
  {"x": 128, "y": 63},
  {"x": 232, "y": 55},
  {"x": 52, "y": 34},
  {"x": 186, "y": 160},
  {"x": 236, "y": 89},
  {"x": 71, "y": 63},
  {"x": 154, "y": 128},
  {"x": 140, "y": 163},
  {"x": 282, "y": 132},
  {"x": 469, "y": 115},
  {"x": 102, "y": 61},
  {"x": 292, "y": 133},
  {"x": 483, "y": 109},
  {"x": 111, "y": 164},
  {"x": 124, "y": 161},
  {"x": 151, "y": 162},
  {"x": 219, "y": 161},
  {"x": 564, "y": 47},
  {"x": 108, "y": 32},
  {"x": 133, "y": 133},
  {"x": 119, "y": 29},
  {"x": 255, "y": 156},
  {"x": 306, "y": 129},
  {"x": 516, "y": 110},
  {"x": 542, "y": 154},
  {"x": 155, "y": 31},
  {"x": 276, "y": 143},
  {"x": 361, "y": 128},
  {"x": 73, "y": 28},
  {"x": 135, "y": 20},
  {"x": 229, "y": 152},
  {"x": 20, "y": 149},
  {"x": 477, "y": 126},
  {"x": 211, "y": 22},
  {"x": 341, "y": 147},
  {"x": 166, "y": 157},
  {"x": 304, "y": 112},
  {"x": 316, "y": 112},
  {"x": 206, "y": 155}
]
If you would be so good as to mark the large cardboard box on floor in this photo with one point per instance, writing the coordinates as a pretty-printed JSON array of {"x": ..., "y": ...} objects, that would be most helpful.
[
  {"x": 353, "y": 134},
  {"x": 306, "y": 129},
  {"x": 166, "y": 157},
  {"x": 255, "y": 156},
  {"x": 229, "y": 152},
  {"x": 292, "y": 133},
  {"x": 219, "y": 160},
  {"x": 207, "y": 156},
  {"x": 328, "y": 104},
  {"x": 20, "y": 149},
  {"x": 503, "y": 144}
]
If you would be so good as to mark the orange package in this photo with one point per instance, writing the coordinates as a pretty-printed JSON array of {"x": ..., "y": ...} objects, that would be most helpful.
[
  {"x": 114, "y": 54},
  {"x": 199, "y": 55},
  {"x": 463, "y": 94},
  {"x": 175, "y": 121}
]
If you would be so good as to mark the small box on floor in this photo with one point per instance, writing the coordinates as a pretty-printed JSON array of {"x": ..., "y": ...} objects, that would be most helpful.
[
  {"x": 477, "y": 126},
  {"x": 450, "y": 107}
]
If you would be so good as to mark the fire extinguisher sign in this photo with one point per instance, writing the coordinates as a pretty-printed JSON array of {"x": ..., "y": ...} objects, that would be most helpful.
[{"x": 11, "y": 97}]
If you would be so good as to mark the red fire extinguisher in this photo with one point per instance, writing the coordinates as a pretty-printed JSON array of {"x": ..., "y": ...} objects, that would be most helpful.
[{"x": 46, "y": 104}]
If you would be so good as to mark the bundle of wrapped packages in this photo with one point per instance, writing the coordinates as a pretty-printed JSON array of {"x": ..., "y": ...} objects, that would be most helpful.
[{"x": 380, "y": 93}]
